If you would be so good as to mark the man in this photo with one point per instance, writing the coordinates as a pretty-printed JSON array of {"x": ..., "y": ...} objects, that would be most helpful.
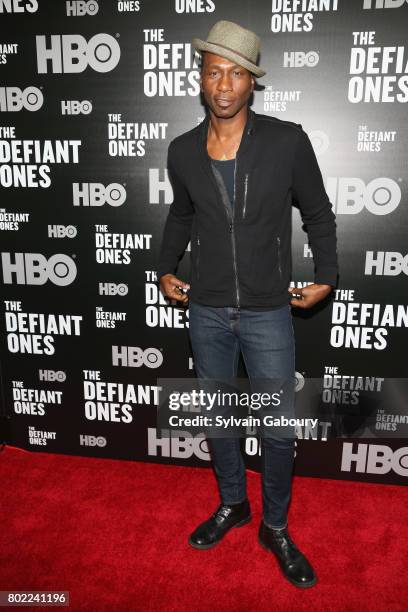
[{"x": 234, "y": 178}]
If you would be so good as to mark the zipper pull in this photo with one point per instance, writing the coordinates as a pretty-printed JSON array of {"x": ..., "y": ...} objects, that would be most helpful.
[
  {"x": 245, "y": 195},
  {"x": 230, "y": 227},
  {"x": 279, "y": 257}
]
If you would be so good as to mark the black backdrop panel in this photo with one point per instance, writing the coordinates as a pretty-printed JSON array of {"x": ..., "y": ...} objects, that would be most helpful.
[{"x": 90, "y": 96}]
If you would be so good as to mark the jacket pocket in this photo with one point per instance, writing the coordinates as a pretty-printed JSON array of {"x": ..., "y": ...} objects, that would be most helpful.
[
  {"x": 263, "y": 266},
  {"x": 245, "y": 195},
  {"x": 279, "y": 256},
  {"x": 198, "y": 258}
]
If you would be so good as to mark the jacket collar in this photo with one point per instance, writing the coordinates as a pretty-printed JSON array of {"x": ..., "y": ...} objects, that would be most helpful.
[{"x": 249, "y": 131}]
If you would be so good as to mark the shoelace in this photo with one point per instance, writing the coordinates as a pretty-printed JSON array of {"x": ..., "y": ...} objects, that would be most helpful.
[
  {"x": 222, "y": 511},
  {"x": 282, "y": 534}
]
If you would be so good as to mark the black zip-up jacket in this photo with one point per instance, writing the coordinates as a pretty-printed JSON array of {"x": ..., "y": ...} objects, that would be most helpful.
[{"x": 241, "y": 254}]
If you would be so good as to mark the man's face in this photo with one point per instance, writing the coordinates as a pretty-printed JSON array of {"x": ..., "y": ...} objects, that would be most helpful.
[{"x": 226, "y": 85}]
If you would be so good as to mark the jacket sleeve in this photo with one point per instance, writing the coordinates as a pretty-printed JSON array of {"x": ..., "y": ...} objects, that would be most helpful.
[
  {"x": 177, "y": 228},
  {"x": 316, "y": 211}
]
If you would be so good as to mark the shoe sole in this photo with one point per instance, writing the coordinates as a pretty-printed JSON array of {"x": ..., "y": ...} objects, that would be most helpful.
[
  {"x": 304, "y": 585},
  {"x": 207, "y": 546}
]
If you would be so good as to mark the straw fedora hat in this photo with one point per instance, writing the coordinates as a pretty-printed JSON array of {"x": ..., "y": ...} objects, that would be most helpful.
[{"x": 230, "y": 40}]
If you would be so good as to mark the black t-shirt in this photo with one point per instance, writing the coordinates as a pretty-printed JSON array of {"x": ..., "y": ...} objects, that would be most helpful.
[{"x": 227, "y": 168}]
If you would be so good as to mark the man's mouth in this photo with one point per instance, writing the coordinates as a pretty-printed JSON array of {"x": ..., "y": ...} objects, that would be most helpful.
[{"x": 223, "y": 101}]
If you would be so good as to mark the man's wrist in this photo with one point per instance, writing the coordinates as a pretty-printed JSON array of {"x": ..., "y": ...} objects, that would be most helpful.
[{"x": 161, "y": 274}]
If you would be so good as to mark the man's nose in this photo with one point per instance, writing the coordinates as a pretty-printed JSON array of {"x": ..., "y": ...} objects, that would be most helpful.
[{"x": 224, "y": 83}]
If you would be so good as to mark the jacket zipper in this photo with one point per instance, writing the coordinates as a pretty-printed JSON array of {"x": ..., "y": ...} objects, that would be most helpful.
[
  {"x": 234, "y": 254},
  {"x": 245, "y": 195},
  {"x": 279, "y": 257},
  {"x": 198, "y": 257},
  {"x": 230, "y": 216}
]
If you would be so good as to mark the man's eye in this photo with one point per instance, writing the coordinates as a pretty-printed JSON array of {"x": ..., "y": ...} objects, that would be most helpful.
[{"x": 214, "y": 72}]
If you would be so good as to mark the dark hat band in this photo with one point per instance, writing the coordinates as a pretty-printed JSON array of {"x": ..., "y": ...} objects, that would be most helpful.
[{"x": 232, "y": 50}]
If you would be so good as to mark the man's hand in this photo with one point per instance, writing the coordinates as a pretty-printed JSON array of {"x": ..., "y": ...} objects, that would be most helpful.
[
  {"x": 169, "y": 284},
  {"x": 311, "y": 294}
]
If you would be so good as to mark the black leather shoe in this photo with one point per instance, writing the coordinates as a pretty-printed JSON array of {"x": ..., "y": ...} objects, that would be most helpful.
[
  {"x": 293, "y": 563},
  {"x": 209, "y": 533}
]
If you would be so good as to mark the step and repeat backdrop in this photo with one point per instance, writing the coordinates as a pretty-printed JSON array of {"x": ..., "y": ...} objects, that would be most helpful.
[{"x": 91, "y": 94}]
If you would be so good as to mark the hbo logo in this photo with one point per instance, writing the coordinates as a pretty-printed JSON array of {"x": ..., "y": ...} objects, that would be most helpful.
[
  {"x": 75, "y": 107},
  {"x": 52, "y": 375},
  {"x": 96, "y": 194},
  {"x": 390, "y": 263},
  {"x": 62, "y": 231},
  {"x": 13, "y": 99},
  {"x": 179, "y": 444},
  {"x": 119, "y": 289},
  {"x": 92, "y": 441},
  {"x": 300, "y": 59},
  {"x": 78, "y": 8},
  {"x": 35, "y": 269},
  {"x": 380, "y": 196},
  {"x": 71, "y": 53},
  {"x": 375, "y": 459}
]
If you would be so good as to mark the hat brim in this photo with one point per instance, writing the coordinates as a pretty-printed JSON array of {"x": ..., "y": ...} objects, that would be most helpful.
[{"x": 202, "y": 45}]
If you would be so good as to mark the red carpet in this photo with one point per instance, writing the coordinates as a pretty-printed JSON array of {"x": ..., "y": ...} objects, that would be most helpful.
[{"x": 114, "y": 534}]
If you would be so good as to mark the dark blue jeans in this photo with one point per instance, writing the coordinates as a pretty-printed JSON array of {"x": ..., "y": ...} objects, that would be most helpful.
[{"x": 266, "y": 339}]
